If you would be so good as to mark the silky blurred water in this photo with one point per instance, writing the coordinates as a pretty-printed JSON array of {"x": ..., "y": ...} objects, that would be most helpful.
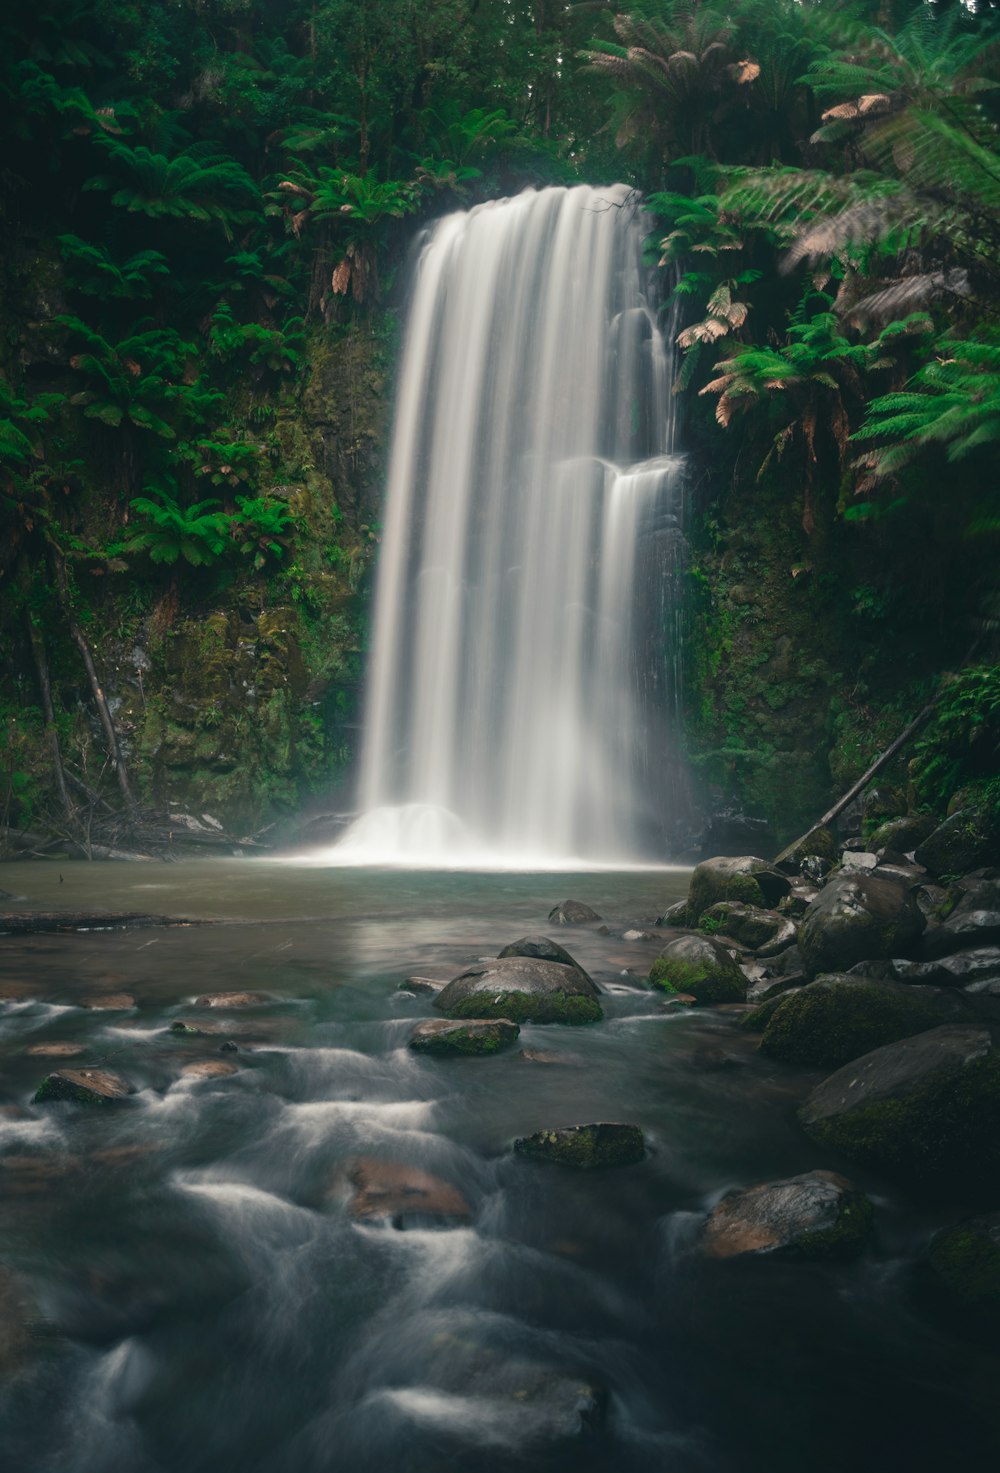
[{"x": 199, "y": 1297}]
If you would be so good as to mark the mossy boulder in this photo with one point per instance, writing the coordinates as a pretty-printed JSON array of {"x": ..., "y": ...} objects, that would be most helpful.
[
  {"x": 838, "y": 1018},
  {"x": 966, "y": 840},
  {"x": 962, "y": 1269},
  {"x": 745, "y": 878},
  {"x": 902, "y": 835},
  {"x": 573, "y": 913},
  {"x": 541, "y": 948},
  {"x": 882, "y": 803},
  {"x": 701, "y": 967},
  {"x": 819, "y": 843},
  {"x": 858, "y": 915},
  {"x": 763, "y": 931},
  {"x": 925, "y": 1109},
  {"x": 586, "y": 1146},
  {"x": 471, "y": 1036},
  {"x": 524, "y": 990},
  {"x": 761, "y": 1014},
  {"x": 814, "y": 1216},
  {"x": 83, "y": 1087},
  {"x": 674, "y": 915}
]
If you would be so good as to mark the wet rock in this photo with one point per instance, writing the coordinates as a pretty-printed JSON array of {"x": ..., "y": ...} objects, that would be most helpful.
[
  {"x": 639, "y": 936},
  {"x": 56, "y": 1050},
  {"x": 109, "y": 1002},
  {"x": 403, "y": 1195},
  {"x": 744, "y": 878},
  {"x": 83, "y": 1086},
  {"x": 523, "y": 990},
  {"x": 902, "y": 834},
  {"x": 701, "y": 967},
  {"x": 858, "y": 859},
  {"x": 773, "y": 987},
  {"x": 208, "y": 1069},
  {"x": 674, "y": 915},
  {"x": 573, "y": 913},
  {"x": 471, "y": 1036},
  {"x": 541, "y": 948},
  {"x": 964, "y": 841},
  {"x": 423, "y": 984},
  {"x": 839, "y": 1018},
  {"x": 856, "y": 917},
  {"x": 179, "y": 1025},
  {"x": 229, "y": 1047},
  {"x": 234, "y": 1000},
  {"x": 814, "y": 870},
  {"x": 678, "y": 1002},
  {"x": 819, "y": 843},
  {"x": 962, "y": 1270},
  {"x": 547, "y": 1056},
  {"x": 815, "y": 1215},
  {"x": 926, "y": 1109},
  {"x": 763, "y": 931},
  {"x": 757, "y": 1019},
  {"x": 585, "y": 1146},
  {"x": 962, "y": 969},
  {"x": 972, "y": 920}
]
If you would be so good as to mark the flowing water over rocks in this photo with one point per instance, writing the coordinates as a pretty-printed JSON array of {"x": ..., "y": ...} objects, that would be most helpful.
[{"x": 328, "y": 1255}]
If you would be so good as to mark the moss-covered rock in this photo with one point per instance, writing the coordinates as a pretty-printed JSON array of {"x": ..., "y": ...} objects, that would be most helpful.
[
  {"x": 818, "y": 843},
  {"x": 926, "y": 1109},
  {"x": 761, "y": 1014},
  {"x": 701, "y": 967},
  {"x": 83, "y": 1087},
  {"x": 838, "y": 1018},
  {"x": 763, "y": 931},
  {"x": 817, "y": 1215},
  {"x": 902, "y": 834},
  {"x": 573, "y": 913},
  {"x": 966, "y": 840},
  {"x": 857, "y": 916},
  {"x": 745, "y": 878},
  {"x": 523, "y": 989},
  {"x": 472, "y": 1036},
  {"x": 963, "y": 1269},
  {"x": 541, "y": 948},
  {"x": 586, "y": 1146}
]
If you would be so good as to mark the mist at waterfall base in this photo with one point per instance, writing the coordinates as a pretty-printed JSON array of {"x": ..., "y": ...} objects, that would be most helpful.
[{"x": 519, "y": 703}]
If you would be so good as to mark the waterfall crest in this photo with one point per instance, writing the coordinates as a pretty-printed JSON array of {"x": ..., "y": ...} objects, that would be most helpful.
[{"x": 509, "y": 713}]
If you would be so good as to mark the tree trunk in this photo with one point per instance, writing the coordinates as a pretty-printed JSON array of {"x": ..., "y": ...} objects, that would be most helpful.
[{"x": 52, "y": 735}]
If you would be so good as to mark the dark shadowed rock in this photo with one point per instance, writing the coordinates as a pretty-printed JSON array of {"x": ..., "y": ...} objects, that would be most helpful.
[
  {"x": 926, "y": 1109},
  {"x": 857, "y": 916},
  {"x": 585, "y": 1146},
  {"x": 964, "y": 841},
  {"x": 745, "y": 878},
  {"x": 819, "y": 843},
  {"x": 839, "y": 1018},
  {"x": 962, "y": 1270},
  {"x": 674, "y": 915},
  {"x": 470, "y": 1036},
  {"x": 234, "y": 1000},
  {"x": 971, "y": 910},
  {"x": 902, "y": 834},
  {"x": 573, "y": 913},
  {"x": 524, "y": 990},
  {"x": 815, "y": 1215},
  {"x": 541, "y": 948},
  {"x": 763, "y": 931},
  {"x": 962, "y": 969},
  {"x": 700, "y": 967},
  {"x": 403, "y": 1195},
  {"x": 83, "y": 1087}
]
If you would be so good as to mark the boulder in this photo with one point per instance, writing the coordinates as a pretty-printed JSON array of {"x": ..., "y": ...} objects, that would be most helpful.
[
  {"x": 763, "y": 931},
  {"x": 839, "y": 1018},
  {"x": 700, "y": 967},
  {"x": 819, "y": 843},
  {"x": 541, "y": 948},
  {"x": 773, "y": 987},
  {"x": 966, "y": 840},
  {"x": 429, "y": 985},
  {"x": 857, "y": 916},
  {"x": 962, "y": 1269},
  {"x": 926, "y": 1109},
  {"x": 971, "y": 913},
  {"x": 586, "y": 1146},
  {"x": 882, "y": 803},
  {"x": 234, "y": 1000},
  {"x": 902, "y": 834},
  {"x": 962, "y": 969},
  {"x": 109, "y": 1002},
  {"x": 471, "y": 1036},
  {"x": 208, "y": 1069},
  {"x": 745, "y": 878},
  {"x": 56, "y": 1050},
  {"x": 815, "y": 1215},
  {"x": 674, "y": 915},
  {"x": 757, "y": 1019},
  {"x": 83, "y": 1087},
  {"x": 523, "y": 990},
  {"x": 402, "y": 1195},
  {"x": 573, "y": 913}
]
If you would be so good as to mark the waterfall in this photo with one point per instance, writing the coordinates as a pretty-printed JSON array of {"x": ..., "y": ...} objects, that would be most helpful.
[{"x": 513, "y": 713}]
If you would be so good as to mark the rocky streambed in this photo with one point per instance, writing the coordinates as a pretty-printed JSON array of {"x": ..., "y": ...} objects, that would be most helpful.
[{"x": 439, "y": 1171}]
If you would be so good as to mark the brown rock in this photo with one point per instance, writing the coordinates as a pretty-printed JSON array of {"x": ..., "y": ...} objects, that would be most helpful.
[
  {"x": 84, "y": 1086},
  {"x": 395, "y": 1192},
  {"x": 208, "y": 1069},
  {"x": 108, "y": 1002},
  {"x": 234, "y": 1000},
  {"x": 57, "y": 1050},
  {"x": 815, "y": 1215}
]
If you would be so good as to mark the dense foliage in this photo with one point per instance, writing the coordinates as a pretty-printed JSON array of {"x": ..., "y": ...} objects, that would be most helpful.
[{"x": 194, "y": 193}]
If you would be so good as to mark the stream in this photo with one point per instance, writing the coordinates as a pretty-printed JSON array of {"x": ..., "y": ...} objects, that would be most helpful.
[{"x": 202, "y": 1294}]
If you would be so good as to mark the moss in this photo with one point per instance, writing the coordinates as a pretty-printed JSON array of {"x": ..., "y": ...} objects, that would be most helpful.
[
  {"x": 844, "y": 1238},
  {"x": 460, "y": 1040},
  {"x": 826, "y": 1025},
  {"x": 705, "y": 981},
  {"x": 966, "y": 1261},
  {"x": 527, "y": 1007},
  {"x": 586, "y": 1146}
]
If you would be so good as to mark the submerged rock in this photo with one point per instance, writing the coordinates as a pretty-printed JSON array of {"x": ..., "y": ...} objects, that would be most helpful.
[
  {"x": 404, "y": 1196},
  {"x": 56, "y": 1050},
  {"x": 746, "y": 878},
  {"x": 815, "y": 1215},
  {"x": 541, "y": 948},
  {"x": 234, "y": 1000},
  {"x": 471, "y": 1036},
  {"x": 425, "y": 984},
  {"x": 573, "y": 913},
  {"x": 83, "y": 1086},
  {"x": 926, "y": 1108},
  {"x": 857, "y": 916},
  {"x": 838, "y": 1018},
  {"x": 208, "y": 1069},
  {"x": 586, "y": 1146},
  {"x": 108, "y": 1002},
  {"x": 523, "y": 990},
  {"x": 700, "y": 967}
]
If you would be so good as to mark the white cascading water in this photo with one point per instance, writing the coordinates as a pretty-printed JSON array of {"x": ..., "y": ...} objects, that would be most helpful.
[{"x": 510, "y": 711}]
